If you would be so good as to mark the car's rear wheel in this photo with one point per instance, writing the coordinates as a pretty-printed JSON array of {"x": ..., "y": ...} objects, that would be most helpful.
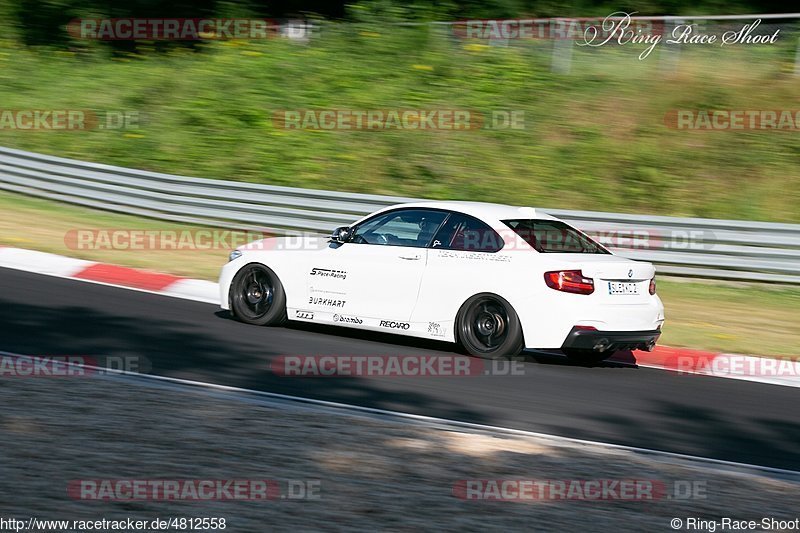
[
  {"x": 587, "y": 357},
  {"x": 257, "y": 296},
  {"x": 488, "y": 327}
]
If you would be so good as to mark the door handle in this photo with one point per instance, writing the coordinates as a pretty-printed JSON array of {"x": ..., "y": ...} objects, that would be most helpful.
[{"x": 409, "y": 257}]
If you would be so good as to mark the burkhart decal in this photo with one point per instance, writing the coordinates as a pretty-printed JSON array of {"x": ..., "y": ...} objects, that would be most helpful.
[
  {"x": 326, "y": 301},
  {"x": 347, "y": 319},
  {"x": 307, "y": 315},
  {"x": 328, "y": 273},
  {"x": 395, "y": 325}
]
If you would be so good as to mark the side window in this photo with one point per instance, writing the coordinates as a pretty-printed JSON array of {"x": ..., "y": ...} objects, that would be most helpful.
[
  {"x": 463, "y": 232},
  {"x": 404, "y": 227}
]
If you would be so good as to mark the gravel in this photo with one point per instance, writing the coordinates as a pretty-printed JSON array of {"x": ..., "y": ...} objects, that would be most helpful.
[{"x": 371, "y": 472}]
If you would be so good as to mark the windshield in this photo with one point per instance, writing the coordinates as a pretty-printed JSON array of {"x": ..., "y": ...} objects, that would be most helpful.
[{"x": 554, "y": 236}]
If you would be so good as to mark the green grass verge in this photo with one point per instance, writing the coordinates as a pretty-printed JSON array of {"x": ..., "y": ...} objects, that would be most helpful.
[
  {"x": 741, "y": 318},
  {"x": 594, "y": 138}
]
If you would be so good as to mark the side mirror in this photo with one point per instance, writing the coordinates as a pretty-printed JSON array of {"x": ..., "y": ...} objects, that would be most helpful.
[{"x": 340, "y": 235}]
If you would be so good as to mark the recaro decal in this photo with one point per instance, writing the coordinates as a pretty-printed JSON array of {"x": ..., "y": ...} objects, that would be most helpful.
[{"x": 394, "y": 325}]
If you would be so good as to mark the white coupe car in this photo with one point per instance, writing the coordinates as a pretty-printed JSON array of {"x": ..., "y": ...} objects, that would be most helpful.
[{"x": 493, "y": 278}]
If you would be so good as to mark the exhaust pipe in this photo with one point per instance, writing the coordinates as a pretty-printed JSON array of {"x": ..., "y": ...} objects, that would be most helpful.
[{"x": 601, "y": 346}]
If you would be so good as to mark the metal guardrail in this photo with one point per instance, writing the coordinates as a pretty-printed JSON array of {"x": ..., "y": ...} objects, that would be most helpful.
[{"x": 692, "y": 247}]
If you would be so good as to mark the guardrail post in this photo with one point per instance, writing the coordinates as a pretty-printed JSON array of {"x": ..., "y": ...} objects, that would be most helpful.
[
  {"x": 670, "y": 54},
  {"x": 562, "y": 56},
  {"x": 797, "y": 59}
]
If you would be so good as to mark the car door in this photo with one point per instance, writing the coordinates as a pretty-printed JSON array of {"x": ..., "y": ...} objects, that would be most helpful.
[
  {"x": 377, "y": 273},
  {"x": 464, "y": 258}
]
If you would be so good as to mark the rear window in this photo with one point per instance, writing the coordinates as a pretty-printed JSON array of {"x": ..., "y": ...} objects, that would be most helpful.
[{"x": 554, "y": 236}]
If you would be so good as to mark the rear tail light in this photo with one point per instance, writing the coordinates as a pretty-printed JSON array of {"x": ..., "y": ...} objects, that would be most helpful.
[
  {"x": 653, "y": 285},
  {"x": 569, "y": 281}
]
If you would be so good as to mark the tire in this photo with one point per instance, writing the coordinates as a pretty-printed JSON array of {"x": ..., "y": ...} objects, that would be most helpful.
[
  {"x": 257, "y": 296},
  {"x": 488, "y": 327},
  {"x": 587, "y": 357}
]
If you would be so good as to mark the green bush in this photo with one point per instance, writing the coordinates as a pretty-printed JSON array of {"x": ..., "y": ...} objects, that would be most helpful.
[{"x": 594, "y": 138}]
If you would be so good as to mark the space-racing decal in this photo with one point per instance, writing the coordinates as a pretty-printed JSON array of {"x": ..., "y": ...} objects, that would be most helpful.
[{"x": 328, "y": 273}]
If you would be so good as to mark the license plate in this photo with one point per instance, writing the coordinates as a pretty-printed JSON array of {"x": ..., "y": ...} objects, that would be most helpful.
[{"x": 622, "y": 287}]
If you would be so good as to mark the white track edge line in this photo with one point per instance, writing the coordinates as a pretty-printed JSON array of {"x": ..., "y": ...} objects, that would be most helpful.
[{"x": 795, "y": 475}]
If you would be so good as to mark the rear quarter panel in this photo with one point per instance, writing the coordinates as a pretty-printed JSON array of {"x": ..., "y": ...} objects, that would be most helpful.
[{"x": 546, "y": 315}]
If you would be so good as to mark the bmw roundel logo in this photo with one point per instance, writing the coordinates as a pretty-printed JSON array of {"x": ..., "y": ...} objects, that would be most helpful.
[{"x": 630, "y": 273}]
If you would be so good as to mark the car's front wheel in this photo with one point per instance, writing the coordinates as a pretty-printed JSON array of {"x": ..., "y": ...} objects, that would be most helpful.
[
  {"x": 488, "y": 327},
  {"x": 257, "y": 296}
]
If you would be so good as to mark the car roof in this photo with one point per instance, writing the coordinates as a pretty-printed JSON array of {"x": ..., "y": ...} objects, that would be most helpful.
[{"x": 488, "y": 212}]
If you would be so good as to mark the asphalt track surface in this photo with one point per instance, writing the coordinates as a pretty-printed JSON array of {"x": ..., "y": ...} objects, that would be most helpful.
[{"x": 710, "y": 417}]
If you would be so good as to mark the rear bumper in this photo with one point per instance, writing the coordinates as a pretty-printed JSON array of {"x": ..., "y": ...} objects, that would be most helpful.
[{"x": 610, "y": 341}]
